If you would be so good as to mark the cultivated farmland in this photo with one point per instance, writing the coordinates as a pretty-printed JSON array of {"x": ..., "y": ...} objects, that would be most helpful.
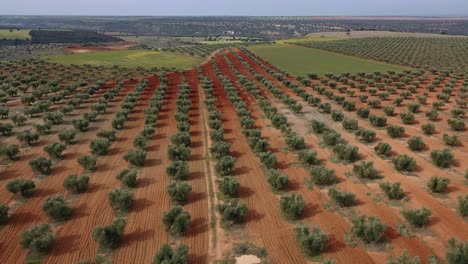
[{"x": 348, "y": 160}]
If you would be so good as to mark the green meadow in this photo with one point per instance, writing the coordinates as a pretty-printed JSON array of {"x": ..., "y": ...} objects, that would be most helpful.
[
  {"x": 128, "y": 59},
  {"x": 14, "y": 34},
  {"x": 300, "y": 61}
]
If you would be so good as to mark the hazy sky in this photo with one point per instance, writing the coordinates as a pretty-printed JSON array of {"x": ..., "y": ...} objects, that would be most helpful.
[{"x": 237, "y": 7}]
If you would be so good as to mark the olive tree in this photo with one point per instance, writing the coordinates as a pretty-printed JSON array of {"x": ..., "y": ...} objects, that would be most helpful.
[
  {"x": 109, "y": 237},
  {"x": 41, "y": 165},
  {"x": 120, "y": 200},
  {"x": 11, "y": 151},
  {"x": 57, "y": 208},
  {"x": 76, "y": 184},
  {"x": 368, "y": 229},
  {"x": 100, "y": 147},
  {"x": 179, "y": 191},
  {"x": 136, "y": 157},
  {"x": 292, "y": 206},
  {"x": 232, "y": 211},
  {"x": 392, "y": 190},
  {"x": 417, "y": 217},
  {"x": 167, "y": 255},
  {"x": 38, "y": 239},
  {"x": 55, "y": 150},
  {"x": 176, "y": 220},
  {"x": 312, "y": 242},
  {"x": 438, "y": 184},
  {"x": 128, "y": 178}
]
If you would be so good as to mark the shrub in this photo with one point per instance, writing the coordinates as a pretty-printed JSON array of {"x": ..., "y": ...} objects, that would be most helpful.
[
  {"x": 365, "y": 135},
  {"x": 181, "y": 138},
  {"x": 317, "y": 126},
  {"x": 417, "y": 217},
  {"x": 322, "y": 176},
  {"x": 428, "y": 128},
  {"x": 292, "y": 206},
  {"x": 407, "y": 118},
  {"x": 452, "y": 140},
  {"x": 404, "y": 258},
  {"x": 442, "y": 158},
  {"x": 369, "y": 230},
  {"x": 110, "y": 236},
  {"x": 37, "y": 238},
  {"x": 389, "y": 110},
  {"x": 363, "y": 112},
  {"x": 109, "y": 135},
  {"x": 128, "y": 178},
  {"x": 331, "y": 138},
  {"x": 225, "y": 165},
  {"x": 457, "y": 252},
  {"x": 120, "y": 200},
  {"x": 11, "y": 151},
  {"x": 57, "y": 208},
  {"x": 378, "y": 121},
  {"x": 178, "y": 191},
  {"x": 67, "y": 136},
  {"x": 438, "y": 184},
  {"x": 432, "y": 114},
  {"x": 41, "y": 165},
  {"x": 166, "y": 255},
  {"x": 457, "y": 113},
  {"x": 308, "y": 157},
  {"x": 416, "y": 144},
  {"x": 342, "y": 198},
  {"x": 404, "y": 163},
  {"x": 232, "y": 211},
  {"x": 268, "y": 159},
  {"x": 81, "y": 125},
  {"x": 350, "y": 124},
  {"x": 118, "y": 123},
  {"x": 6, "y": 129},
  {"x": 456, "y": 124},
  {"x": 229, "y": 186},
  {"x": 220, "y": 149},
  {"x": 135, "y": 157},
  {"x": 28, "y": 137},
  {"x": 75, "y": 184},
  {"x": 295, "y": 142},
  {"x": 176, "y": 220},
  {"x": 365, "y": 169},
  {"x": 413, "y": 107},
  {"x": 4, "y": 214},
  {"x": 346, "y": 152},
  {"x": 100, "y": 147},
  {"x": 462, "y": 206},
  {"x": 55, "y": 150},
  {"x": 394, "y": 131},
  {"x": 87, "y": 162},
  {"x": 383, "y": 149},
  {"x": 312, "y": 243},
  {"x": 140, "y": 142},
  {"x": 178, "y": 169},
  {"x": 392, "y": 190},
  {"x": 278, "y": 181},
  {"x": 337, "y": 116}
]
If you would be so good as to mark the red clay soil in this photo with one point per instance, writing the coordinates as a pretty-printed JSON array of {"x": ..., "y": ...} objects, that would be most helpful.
[
  {"x": 264, "y": 222},
  {"x": 37, "y": 150},
  {"x": 332, "y": 223},
  {"x": 145, "y": 233},
  {"x": 74, "y": 241},
  {"x": 444, "y": 222},
  {"x": 197, "y": 238},
  {"x": 30, "y": 212},
  {"x": 365, "y": 206}
]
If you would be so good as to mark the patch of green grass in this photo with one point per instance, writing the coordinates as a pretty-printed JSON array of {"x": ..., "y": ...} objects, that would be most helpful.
[
  {"x": 14, "y": 34},
  {"x": 300, "y": 60},
  {"x": 302, "y": 40},
  {"x": 128, "y": 59}
]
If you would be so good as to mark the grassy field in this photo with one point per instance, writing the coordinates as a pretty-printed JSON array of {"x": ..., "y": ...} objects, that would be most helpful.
[
  {"x": 129, "y": 59},
  {"x": 15, "y": 34},
  {"x": 311, "y": 39},
  {"x": 300, "y": 61}
]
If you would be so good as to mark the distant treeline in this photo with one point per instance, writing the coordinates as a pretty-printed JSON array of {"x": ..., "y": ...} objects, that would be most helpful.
[{"x": 71, "y": 36}]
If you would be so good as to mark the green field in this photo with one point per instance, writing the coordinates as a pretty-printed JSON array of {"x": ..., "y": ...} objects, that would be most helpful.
[
  {"x": 300, "y": 61},
  {"x": 14, "y": 34},
  {"x": 129, "y": 59},
  {"x": 302, "y": 40}
]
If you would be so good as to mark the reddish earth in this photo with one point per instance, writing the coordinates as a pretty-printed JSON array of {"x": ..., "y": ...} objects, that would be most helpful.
[{"x": 264, "y": 226}]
